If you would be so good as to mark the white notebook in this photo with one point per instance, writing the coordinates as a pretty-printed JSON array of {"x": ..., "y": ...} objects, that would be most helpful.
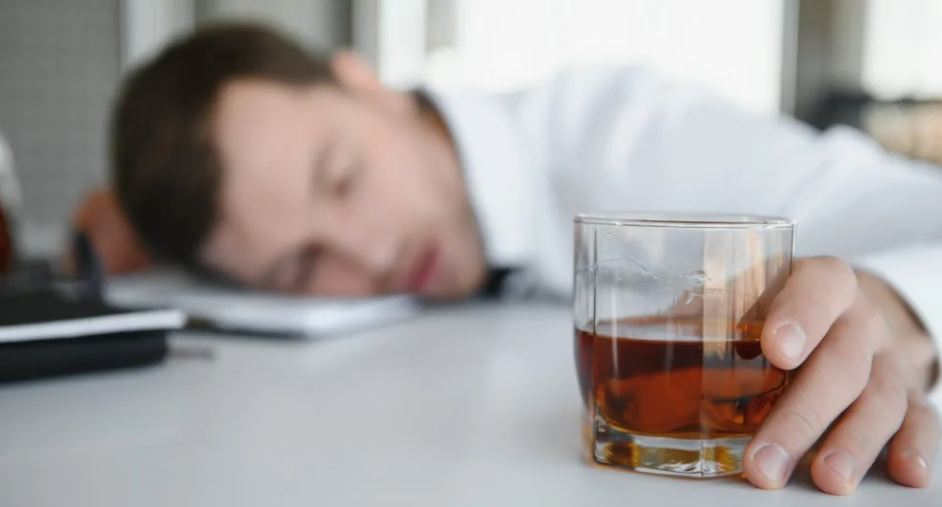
[{"x": 249, "y": 311}]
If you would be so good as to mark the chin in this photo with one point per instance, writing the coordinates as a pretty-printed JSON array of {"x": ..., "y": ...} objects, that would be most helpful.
[
  {"x": 469, "y": 287},
  {"x": 462, "y": 276}
]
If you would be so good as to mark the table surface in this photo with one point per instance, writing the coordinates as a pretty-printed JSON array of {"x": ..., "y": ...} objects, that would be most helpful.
[{"x": 463, "y": 406}]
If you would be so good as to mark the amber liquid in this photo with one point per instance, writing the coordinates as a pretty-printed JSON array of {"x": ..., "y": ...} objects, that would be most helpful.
[{"x": 664, "y": 378}]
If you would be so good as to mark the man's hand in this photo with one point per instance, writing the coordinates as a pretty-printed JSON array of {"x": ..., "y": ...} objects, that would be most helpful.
[
  {"x": 865, "y": 365},
  {"x": 100, "y": 217}
]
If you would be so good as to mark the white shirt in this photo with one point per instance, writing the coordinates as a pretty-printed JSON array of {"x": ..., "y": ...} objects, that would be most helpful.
[{"x": 629, "y": 139}]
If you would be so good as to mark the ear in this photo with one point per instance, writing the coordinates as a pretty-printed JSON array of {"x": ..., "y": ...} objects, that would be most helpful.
[{"x": 356, "y": 76}]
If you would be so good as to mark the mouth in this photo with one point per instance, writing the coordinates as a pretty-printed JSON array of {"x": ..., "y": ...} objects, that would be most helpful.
[{"x": 425, "y": 270}]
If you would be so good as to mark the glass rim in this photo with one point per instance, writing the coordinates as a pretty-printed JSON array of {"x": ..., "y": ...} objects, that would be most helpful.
[{"x": 684, "y": 220}]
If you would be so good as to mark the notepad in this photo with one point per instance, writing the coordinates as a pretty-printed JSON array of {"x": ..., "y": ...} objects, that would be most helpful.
[
  {"x": 250, "y": 311},
  {"x": 54, "y": 315}
]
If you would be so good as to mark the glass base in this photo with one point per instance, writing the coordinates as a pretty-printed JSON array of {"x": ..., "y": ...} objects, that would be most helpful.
[{"x": 695, "y": 458}]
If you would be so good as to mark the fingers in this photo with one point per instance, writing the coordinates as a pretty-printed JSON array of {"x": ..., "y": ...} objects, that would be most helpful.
[
  {"x": 851, "y": 368},
  {"x": 856, "y": 441},
  {"x": 833, "y": 377},
  {"x": 912, "y": 451},
  {"x": 818, "y": 292}
]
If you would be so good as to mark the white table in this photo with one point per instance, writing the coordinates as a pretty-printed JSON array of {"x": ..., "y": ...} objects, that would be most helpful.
[{"x": 467, "y": 406}]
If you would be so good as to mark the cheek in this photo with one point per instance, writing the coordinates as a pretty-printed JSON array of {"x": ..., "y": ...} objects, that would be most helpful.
[{"x": 403, "y": 179}]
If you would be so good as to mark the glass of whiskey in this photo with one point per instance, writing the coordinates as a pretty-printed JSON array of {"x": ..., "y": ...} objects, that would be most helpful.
[{"x": 668, "y": 314}]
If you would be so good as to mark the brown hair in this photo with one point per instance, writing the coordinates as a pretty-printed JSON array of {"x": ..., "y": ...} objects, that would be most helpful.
[{"x": 165, "y": 168}]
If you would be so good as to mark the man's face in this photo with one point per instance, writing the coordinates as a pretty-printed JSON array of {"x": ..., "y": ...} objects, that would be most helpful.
[{"x": 332, "y": 192}]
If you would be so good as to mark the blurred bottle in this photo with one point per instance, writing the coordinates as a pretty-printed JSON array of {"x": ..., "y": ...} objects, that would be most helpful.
[
  {"x": 6, "y": 243},
  {"x": 9, "y": 203}
]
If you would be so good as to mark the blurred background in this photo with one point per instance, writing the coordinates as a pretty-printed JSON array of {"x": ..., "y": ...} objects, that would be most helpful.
[{"x": 871, "y": 64}]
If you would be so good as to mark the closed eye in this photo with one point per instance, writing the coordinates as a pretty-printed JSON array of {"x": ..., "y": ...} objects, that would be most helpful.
[
  {"x": 347, "y": 181},
  {"x": 320, "y": 169}
]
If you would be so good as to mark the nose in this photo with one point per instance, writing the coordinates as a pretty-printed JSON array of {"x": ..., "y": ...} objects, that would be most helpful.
[{"x": 365, "y": 245}]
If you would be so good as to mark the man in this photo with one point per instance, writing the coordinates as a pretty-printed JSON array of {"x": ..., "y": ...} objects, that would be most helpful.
[{"x": 238, "y": 153}]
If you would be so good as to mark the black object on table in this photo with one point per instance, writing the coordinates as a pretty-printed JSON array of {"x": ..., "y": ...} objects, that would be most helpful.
[{"x": 54, "y": 327}]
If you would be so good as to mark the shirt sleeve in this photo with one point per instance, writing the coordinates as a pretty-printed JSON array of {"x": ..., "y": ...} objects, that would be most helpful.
[
  {"x": 629, "y": 138},
  {"x": 877, "y": 210},
  {"x": 633, "y": 139}
]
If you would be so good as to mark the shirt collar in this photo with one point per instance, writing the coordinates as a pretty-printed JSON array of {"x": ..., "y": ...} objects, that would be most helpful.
[{"x": 500, "y": 179}]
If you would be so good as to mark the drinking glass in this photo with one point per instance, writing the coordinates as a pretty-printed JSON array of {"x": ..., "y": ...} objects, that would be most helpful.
[{"x": 668, "y": 315}]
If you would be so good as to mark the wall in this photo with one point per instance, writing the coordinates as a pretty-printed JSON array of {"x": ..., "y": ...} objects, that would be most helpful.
[
  {"x": 903, "y": 50},
  {"x": 58, "y": 73},
  {"x": 831, "y": 38},
  {"x": 323, "y": 24}
]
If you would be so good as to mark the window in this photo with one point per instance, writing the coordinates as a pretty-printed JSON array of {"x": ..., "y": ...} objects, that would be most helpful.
[{"x": 733, "y": 46}]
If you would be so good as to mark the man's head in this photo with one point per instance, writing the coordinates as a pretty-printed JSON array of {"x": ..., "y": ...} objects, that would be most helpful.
[{"x": 238, "y": 152}]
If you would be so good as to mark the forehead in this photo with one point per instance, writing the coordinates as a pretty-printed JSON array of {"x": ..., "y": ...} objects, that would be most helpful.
[
  {"x": 266, "y": 135},
  {"x": 250, "y": 115}
]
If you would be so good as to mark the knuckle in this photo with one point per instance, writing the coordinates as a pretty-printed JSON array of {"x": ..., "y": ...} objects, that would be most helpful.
[
  {"x": 863, "y": 442},
  {"x": 809, "y": 319},
  {"x": 866, "y": 315},
  {"x": 922, "y": 415},
  {"x": 810, "y": 314},
  {"x": 919, "y": 408},
  {"x": 867, "y": 324},
  {"x": 855, "y": 363},
  {"x": 886, "y": 388},
  {"x": 840, "y": 269},
  {"x": 857, "y": 373},
  {"x": 811, "y": 311},
  {"x": 888, "y": 396},
  {"x": 806, "y": 424},
  {"x": 872, "y": 322},
  {"x": 819, "y": 308}
]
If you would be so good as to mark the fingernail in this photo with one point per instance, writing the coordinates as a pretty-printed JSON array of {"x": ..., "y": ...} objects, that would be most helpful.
[
  {"x": 842, "y": 463},
  {"x": 917, "y": 458},
  {"x": 791, "y": 340},
  {"x": 772, "y": 461}
]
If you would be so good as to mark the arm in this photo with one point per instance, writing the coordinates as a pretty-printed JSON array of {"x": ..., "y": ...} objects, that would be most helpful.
[
  {"x": 650, "y": 143},
  {"x": 100, "y": 217},
  {"x": 630, "y": 139},
  {"x": 862, "y": 338},
  {"x": 880, "y": 212}
]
